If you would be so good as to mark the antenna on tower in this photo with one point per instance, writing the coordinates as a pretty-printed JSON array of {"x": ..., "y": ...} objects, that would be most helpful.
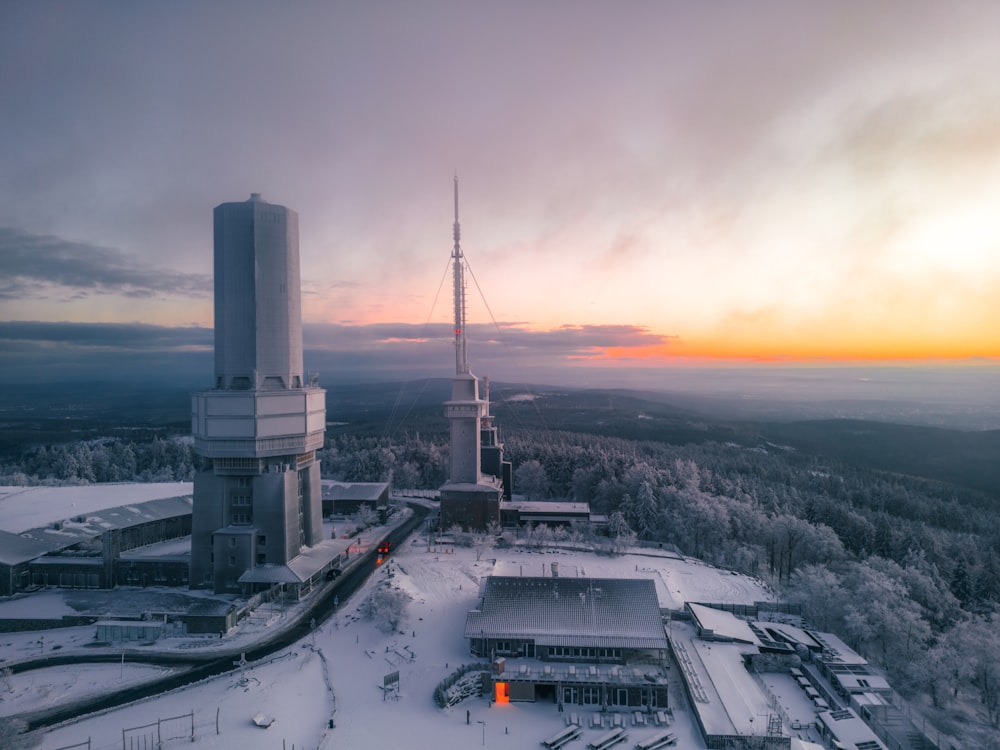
[{"x": 461, "y": 360}]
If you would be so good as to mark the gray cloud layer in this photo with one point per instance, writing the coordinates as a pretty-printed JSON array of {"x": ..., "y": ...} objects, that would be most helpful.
[
  {"x": 40, "y": 351},
  {"x": 31, "y": 264}
]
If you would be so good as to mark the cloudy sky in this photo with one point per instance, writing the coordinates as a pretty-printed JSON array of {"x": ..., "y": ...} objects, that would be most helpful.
[{"x": 642, "y": 183}]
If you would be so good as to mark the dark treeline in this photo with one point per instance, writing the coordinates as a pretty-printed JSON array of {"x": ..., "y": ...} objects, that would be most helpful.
[
  {"x": 907, "y": 570},
  {"x": 102, "y": 460},
  {"x": 766, "y": 511}
]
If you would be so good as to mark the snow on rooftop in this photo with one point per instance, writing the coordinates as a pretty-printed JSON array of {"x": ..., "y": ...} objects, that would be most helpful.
[
  {"x": 786, "y": 633},
  {"x": 334, "y": 490},
  {"x": 597, "y": 612},
  {"x": 24, "y": 508},
  {"x": 171, "y": 548},
  {"x": 351, "y": 657},
  {"x": 835, "y": 651},
  {"x": 726, "y": 697},
  {"x": 548, "y": 506},
  {"x": 723, "y": 624},
  {"x": 301, "y": 567},
  {"x": 850, "y": 730}
]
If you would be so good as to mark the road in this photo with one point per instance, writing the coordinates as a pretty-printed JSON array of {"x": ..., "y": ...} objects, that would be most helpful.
[{"x": 219, "y": 661}]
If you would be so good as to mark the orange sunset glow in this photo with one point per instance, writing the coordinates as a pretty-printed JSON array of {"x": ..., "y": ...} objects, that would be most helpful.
[{"x": 666, "y": 184}]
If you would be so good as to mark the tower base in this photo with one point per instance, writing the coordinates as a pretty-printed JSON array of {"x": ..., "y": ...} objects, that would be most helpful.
[{"x": 471, "y": 506}]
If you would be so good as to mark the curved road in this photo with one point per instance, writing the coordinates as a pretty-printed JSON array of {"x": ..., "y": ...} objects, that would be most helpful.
[{"x": 219, "y": 661}]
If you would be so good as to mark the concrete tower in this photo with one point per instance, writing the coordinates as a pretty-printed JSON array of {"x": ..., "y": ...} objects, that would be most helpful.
[
  {"x": 257, "y": 501},
  {"x": 470, "y": 498}
]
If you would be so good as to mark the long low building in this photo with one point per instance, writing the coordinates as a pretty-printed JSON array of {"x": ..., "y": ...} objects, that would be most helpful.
[
  {"x": 585, "y": 641},
  {"x": 83, "y": 548}
]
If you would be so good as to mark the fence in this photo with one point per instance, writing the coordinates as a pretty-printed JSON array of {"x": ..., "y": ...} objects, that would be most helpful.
[
  {"x": 77, "y": 745},
  {"x": 152, "y": 736}
]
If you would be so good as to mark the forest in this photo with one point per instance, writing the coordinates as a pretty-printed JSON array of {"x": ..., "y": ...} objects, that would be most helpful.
[{"x": 905, "y": 568}]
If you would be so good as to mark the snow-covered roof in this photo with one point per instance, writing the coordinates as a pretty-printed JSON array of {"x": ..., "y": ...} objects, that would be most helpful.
[
  {"x": 300, "y": 568},
  {"x": 835, "y": 651},
  {"x": 487, "y": 485},
  {"x": 173, "y": 549},
  {"x": 858, "y": 678},
  {"x": 61, "y": 534},
  {"x": 333, "y": 490},
  {"x": 725, "y": 695},
  {"x": 780, "y": 631},
  {"x": 722, "y": 625},
  {"x": 849, "y": 729},
  {"x": 585, "y": 612},
  {"x": 23, "y": 508},
  {"x": 15, "y": 548},
  {"x": 540, "y": 506},
  {"x": 270, "y": 573}
]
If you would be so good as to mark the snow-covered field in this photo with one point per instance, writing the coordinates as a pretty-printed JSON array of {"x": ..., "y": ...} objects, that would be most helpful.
[{"x": 338, "y": 673}]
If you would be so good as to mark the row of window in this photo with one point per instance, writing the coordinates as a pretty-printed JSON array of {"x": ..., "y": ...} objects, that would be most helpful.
[
  {"x": 585, "y": 653},
  {"x": 261, "y": 541},
  {"x": 591, "y": 696}
]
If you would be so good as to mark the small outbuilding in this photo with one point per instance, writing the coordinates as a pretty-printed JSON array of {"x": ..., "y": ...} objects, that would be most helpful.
[
  {"x": 347, "y": 498},
  {"x": 114, "y": 631}
]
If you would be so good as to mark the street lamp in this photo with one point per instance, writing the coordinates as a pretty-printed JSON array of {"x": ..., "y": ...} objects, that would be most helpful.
[{"x": 480, "y": 721}]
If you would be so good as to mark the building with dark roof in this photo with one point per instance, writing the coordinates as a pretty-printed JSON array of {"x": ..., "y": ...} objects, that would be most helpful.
[
  {"x": 345, "y": 498},
  {"x": 548, "y": 512},
  {"x": 84, "y": 551},
  {"x": 587, "y": 641}
]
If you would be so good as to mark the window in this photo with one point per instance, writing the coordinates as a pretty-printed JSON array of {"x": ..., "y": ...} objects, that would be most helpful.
[
  {"x": 232, "y": 559},
  {"x": 261, "y": 540},
  {"x": 232, "y": 542},
  {"x": 261, "y": 558}
]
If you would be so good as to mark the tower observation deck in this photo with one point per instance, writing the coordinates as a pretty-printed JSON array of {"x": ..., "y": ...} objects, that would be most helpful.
[{"x": 257, "y": 501}]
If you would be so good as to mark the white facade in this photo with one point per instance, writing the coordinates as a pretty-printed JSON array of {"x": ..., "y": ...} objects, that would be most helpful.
[{"x": 257, "y": 500}]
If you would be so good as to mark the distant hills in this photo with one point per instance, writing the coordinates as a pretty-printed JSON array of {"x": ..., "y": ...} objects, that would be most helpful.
[
  {"x": 969, "y": 459},
  {"x": 42, "y": 414}
]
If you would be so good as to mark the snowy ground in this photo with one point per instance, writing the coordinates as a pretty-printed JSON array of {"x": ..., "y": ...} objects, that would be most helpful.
[{"x": 338, "y": 673}]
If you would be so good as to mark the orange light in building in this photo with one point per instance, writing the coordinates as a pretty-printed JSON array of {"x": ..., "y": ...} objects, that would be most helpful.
[{"x": 502, "y": 692}]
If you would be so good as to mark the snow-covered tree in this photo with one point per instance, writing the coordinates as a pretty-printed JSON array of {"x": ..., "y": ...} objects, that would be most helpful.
[
  {"x": 386, "y": 607},
  {"x": 531, "y": 480}
]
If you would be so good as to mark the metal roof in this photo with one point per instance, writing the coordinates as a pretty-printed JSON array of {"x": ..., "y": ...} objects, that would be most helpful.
[
  {"x": 302, "y": 567},
  {"x": 27, "y": 545},
  {"x": 585, "y": 612},
  {"x": 26, "y": 508},
  {"x": 15, "y": 548}
]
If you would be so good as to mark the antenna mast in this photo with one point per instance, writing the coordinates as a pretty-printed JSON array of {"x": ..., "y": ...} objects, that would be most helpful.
[{"x": 461, "y": 360}]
